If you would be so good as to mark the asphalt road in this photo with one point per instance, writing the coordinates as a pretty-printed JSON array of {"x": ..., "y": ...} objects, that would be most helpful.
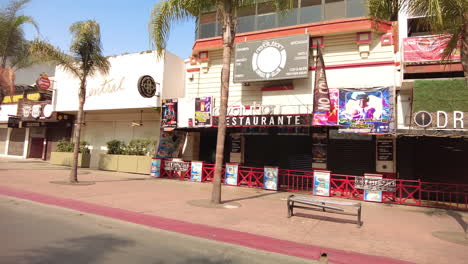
[{"x": 35, "y": 233}]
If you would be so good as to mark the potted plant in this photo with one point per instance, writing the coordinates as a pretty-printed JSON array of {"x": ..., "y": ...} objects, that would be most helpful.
[{"x": 63, "y": 155}]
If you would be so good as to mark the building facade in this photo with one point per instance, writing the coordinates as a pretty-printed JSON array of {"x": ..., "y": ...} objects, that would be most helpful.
[{"x": 125, "y": 103}]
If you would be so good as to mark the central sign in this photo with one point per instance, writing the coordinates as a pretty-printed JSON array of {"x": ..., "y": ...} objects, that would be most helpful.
[{"x": 272, "y": 59}]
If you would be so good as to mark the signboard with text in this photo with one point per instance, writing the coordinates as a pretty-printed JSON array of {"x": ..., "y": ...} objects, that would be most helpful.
[
  {"x": 272, "y": 59},
  {"x": 267, "y": 120}
]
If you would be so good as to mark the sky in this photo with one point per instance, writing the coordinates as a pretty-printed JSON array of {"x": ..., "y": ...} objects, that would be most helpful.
[{"x": 124, "y": 24}]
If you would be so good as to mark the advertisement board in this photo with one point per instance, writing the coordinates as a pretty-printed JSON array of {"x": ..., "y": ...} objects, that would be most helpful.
[
  {"x": 203, "y": 107},
  {"x": 319, "y": 147},
  {"x": 170, "y": 144},
  {"x": 328, "y": 118},
  {"x": 365, "y": 110},
  {"x": 427, "y": 48},
  {"x": 270, "y": 178},
  {"x": 231, "y": 176},
  {"x": 155, "y": 168},
  {"x": 196, "y": 171},
  {"x": 373, "y": 195},
  {"x": 169, "y": 113},
  {"x": 272, "y": 59},
  {"x": 321, "y": 183}
]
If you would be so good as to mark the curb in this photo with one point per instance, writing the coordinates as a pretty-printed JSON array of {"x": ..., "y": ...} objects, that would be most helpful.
[{"x": 203, "y": 231}]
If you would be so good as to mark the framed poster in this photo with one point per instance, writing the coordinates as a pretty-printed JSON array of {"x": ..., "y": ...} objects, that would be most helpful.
[
  {"x": 155, "y": 168},
  {"x": 203, "y": 111},
  {"x": 196, "y": 171},
  {"x": 231, "y": 176},
  {"x": 319, "y": 147},
  {"x": 321, "y": 183},
  {"x": 270, "y": 178},
  {"x": 169, "y": 113},
  {"x": 372, "y": 195}
]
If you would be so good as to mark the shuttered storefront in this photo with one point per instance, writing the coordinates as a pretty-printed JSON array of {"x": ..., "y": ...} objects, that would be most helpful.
[
  {"x": 351, "y": 156},
  {"x": 16, "y": 145}
]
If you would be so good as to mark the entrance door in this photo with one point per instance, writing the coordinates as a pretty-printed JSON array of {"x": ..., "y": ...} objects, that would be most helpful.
[
  {"x": 36, "y": 148},
  {"x": 17, "y": 137}
]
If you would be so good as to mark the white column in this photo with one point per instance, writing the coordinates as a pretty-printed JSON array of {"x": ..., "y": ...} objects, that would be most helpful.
[
  {"x": 26, "y": 144},
  {"x": 8, "y": 140}
]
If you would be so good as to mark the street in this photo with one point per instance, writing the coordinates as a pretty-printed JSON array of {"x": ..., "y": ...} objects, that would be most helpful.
[{"x": 35, "y": 233}]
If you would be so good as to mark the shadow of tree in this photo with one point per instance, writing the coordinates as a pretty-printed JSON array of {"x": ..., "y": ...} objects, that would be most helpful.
[
  {"x": 250, "y": 197},
  {"x": 81, "y": 250},
  {"x": 454, "y": 214}
]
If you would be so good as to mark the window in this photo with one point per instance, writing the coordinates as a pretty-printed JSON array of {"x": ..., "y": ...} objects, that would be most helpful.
[
  {"x": 208, "y": 25},
  {"x": 246, "y": 19},
  {"x": 266, "y": 17},
  {"x": 334, "y": 9},
  {"x": 290, "y": 17},
  {"x": 311, "y": 11},
  {"x": 355, "y": 8}
]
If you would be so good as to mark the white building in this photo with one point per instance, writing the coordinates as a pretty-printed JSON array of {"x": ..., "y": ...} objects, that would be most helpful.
[{"x": 115, "y": 107}]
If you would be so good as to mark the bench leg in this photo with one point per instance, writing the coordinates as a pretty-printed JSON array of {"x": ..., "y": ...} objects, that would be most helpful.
[
  {"x": 290, "y": 208},
  {"x": 359, "y": 217}
]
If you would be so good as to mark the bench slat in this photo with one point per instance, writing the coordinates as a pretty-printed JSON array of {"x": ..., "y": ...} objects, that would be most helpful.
[{"x": 312, "y": 200}]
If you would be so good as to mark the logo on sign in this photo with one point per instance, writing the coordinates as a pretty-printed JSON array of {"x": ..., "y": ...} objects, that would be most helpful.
[
  {"x": 36, "y": 111},
  {"x": 269, "y": 59},
  {"x": 43, "y": 81},
  {"x": 423, "y": 119},
  {"x": 147, "y": 86}
]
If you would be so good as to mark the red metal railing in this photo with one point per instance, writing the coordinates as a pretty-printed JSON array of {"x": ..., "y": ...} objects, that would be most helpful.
[{"x": 408, "y": 192}]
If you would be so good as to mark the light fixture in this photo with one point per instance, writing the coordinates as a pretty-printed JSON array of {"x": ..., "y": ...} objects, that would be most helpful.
[{"x": 141, "y": 120}]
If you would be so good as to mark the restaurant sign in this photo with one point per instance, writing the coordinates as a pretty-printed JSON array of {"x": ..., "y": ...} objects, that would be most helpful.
[
  {"x": 267, "y": 120},
  {"x": 441, "y": 119}
]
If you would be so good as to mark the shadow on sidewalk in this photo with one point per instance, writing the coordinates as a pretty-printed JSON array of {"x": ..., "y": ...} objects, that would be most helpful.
[
  {"x": 454, "y": 214},
  {"x": 327, "y": 218},
  {"x": 122, "y": 180},
  {"x": 250, "y": 197}
]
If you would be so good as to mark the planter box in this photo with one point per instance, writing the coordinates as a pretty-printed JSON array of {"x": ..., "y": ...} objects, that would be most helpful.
[
  {"x": 125, "y": 163},
  {"x": 66, "y": 159}
]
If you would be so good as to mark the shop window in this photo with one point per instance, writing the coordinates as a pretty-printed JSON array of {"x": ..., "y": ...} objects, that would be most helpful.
[
  {"x": 266, "y": 17},
  {"x": 311, "y": 11},
  {"x": 334, "y": 9},
  {"x": 355, "y": 8},
  {"x": 208, "y": 25},
  {"x": 290, "y": 17},
  {"x": 246, "y": 19}
]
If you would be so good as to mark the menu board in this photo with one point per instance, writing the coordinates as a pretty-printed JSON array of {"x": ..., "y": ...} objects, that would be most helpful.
[
  {"x": 319, "y": 147},
  {"x": 235, "y": 143},
  {"x": 385, "y": 149},
  {"x": 321, "y": 183}
]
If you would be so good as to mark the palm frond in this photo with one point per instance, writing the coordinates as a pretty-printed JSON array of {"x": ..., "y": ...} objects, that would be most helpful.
[
  {"x": 45, "y": 52},
  {"x": 22, "y": 20}
]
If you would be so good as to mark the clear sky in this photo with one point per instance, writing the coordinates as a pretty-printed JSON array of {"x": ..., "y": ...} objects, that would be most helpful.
[{"x": 124, "y": 24}]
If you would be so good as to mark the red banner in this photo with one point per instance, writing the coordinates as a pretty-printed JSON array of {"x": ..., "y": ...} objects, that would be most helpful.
[{"x": 431, "y": 48}]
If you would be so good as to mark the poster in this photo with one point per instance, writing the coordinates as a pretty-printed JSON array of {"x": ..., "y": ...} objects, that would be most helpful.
[
  {"x": 203, "y": 111},
  {"x": 427, "y": 48},
  {"x": 196, "y": 171},
  {"x": 169, "y": 113},
  {"x": 155, "y": 168},
  {"x": 373, "y": 195},
  {"x": 270, "y": 178},
  {"x": 321, "y": 183},
  {"x": 319, "y": 147},
  {"x": 365, "y": 110},
  {"x": 232, "y": 170},
  {"x": 329, "y": 118},
  {"x": 170, "y": 144}
]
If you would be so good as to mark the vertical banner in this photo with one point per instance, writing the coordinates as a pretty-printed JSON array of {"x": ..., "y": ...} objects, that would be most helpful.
[
  {"x": 322, "y": 105},
  {"x": 155, "y": 168},
  {"x": 369, "y": 195},
  {"x": 170, "y": 144},
  {"x": 319, "y": 147},
  {"x": 203, "y": 111},
  {"x": 169, "y": 113},
  {"x": 321, "y": 183},
  {"x": 196, "y": 171},
  {"x": 231, "y": 176},
  {"x": 365, "y": 110},
  {"x": 270, "y": 178},
  {"x": 329, "y": 118}
]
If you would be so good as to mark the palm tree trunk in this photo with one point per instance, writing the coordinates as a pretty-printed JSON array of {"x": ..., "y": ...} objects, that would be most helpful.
[
  {"x": 464, "y": 48},
  {"x": 228, "y": 42},
  {"x": 77, "y": 133}
]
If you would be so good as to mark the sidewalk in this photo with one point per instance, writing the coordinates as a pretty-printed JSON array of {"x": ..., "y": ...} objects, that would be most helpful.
[{"x": 398, "y": 232}]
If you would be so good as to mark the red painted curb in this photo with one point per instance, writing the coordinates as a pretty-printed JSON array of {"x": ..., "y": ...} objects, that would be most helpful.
[{"x": 229, "y": 236}]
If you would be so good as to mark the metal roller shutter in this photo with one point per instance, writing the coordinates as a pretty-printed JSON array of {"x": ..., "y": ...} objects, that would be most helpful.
[{"x": 352, "y": 157}]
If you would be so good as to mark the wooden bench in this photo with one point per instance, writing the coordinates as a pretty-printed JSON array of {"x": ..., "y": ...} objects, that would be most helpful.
[{"x": 314, "y": 203}]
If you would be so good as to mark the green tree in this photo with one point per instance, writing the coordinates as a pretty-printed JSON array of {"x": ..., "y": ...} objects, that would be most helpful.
[
  {"x": 442, "y": 16},
  {"x": 85, "y": 60},
  {"x": 166, "y": 12},
  {"x": 14, "y": 48}
]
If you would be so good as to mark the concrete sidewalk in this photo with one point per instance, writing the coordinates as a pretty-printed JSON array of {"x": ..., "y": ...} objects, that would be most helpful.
[{"x": 398, "y": 232}]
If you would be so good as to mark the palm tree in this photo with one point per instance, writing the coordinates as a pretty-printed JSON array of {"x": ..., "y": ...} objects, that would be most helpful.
[
  {"x": 14, "y": 48},
  {"x": 85, "y": 60},
  {"x": 166, "y": 12},
  {"x": 442, "y": 16}
]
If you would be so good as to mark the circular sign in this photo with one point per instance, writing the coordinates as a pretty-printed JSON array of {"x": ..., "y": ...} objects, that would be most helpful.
[
  {"x": 423, "y": 119},
  {"x": 43, "y": 83},
  {"x": 47, "y": 110},
  {"x": 269, "y": 59},
  {"x": 147, "y": 86}
]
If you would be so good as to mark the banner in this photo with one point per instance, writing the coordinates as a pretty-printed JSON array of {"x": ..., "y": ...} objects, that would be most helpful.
[
  {"x": 169, "y": 113},
  {"x": 203, "y": 112},
  {"x": 365, "y": 110},
  {"x": 322, "y": 104},
  {"x": 373, "y": 195},
  {"x": 329, "y": 118},
  {"x": 170, "y": 144},
  {"x": 231, "y": 174},
  {"x": 176, "y": 165},
  {"x": 321, "y": 183},
  {"x": 431, "y": 48},
  {"x": 155, "y": 168},
  {"x": 384, "y": 185},
  {"x": 197, "y": 171},
  {"x": 270, "y": 178}
]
